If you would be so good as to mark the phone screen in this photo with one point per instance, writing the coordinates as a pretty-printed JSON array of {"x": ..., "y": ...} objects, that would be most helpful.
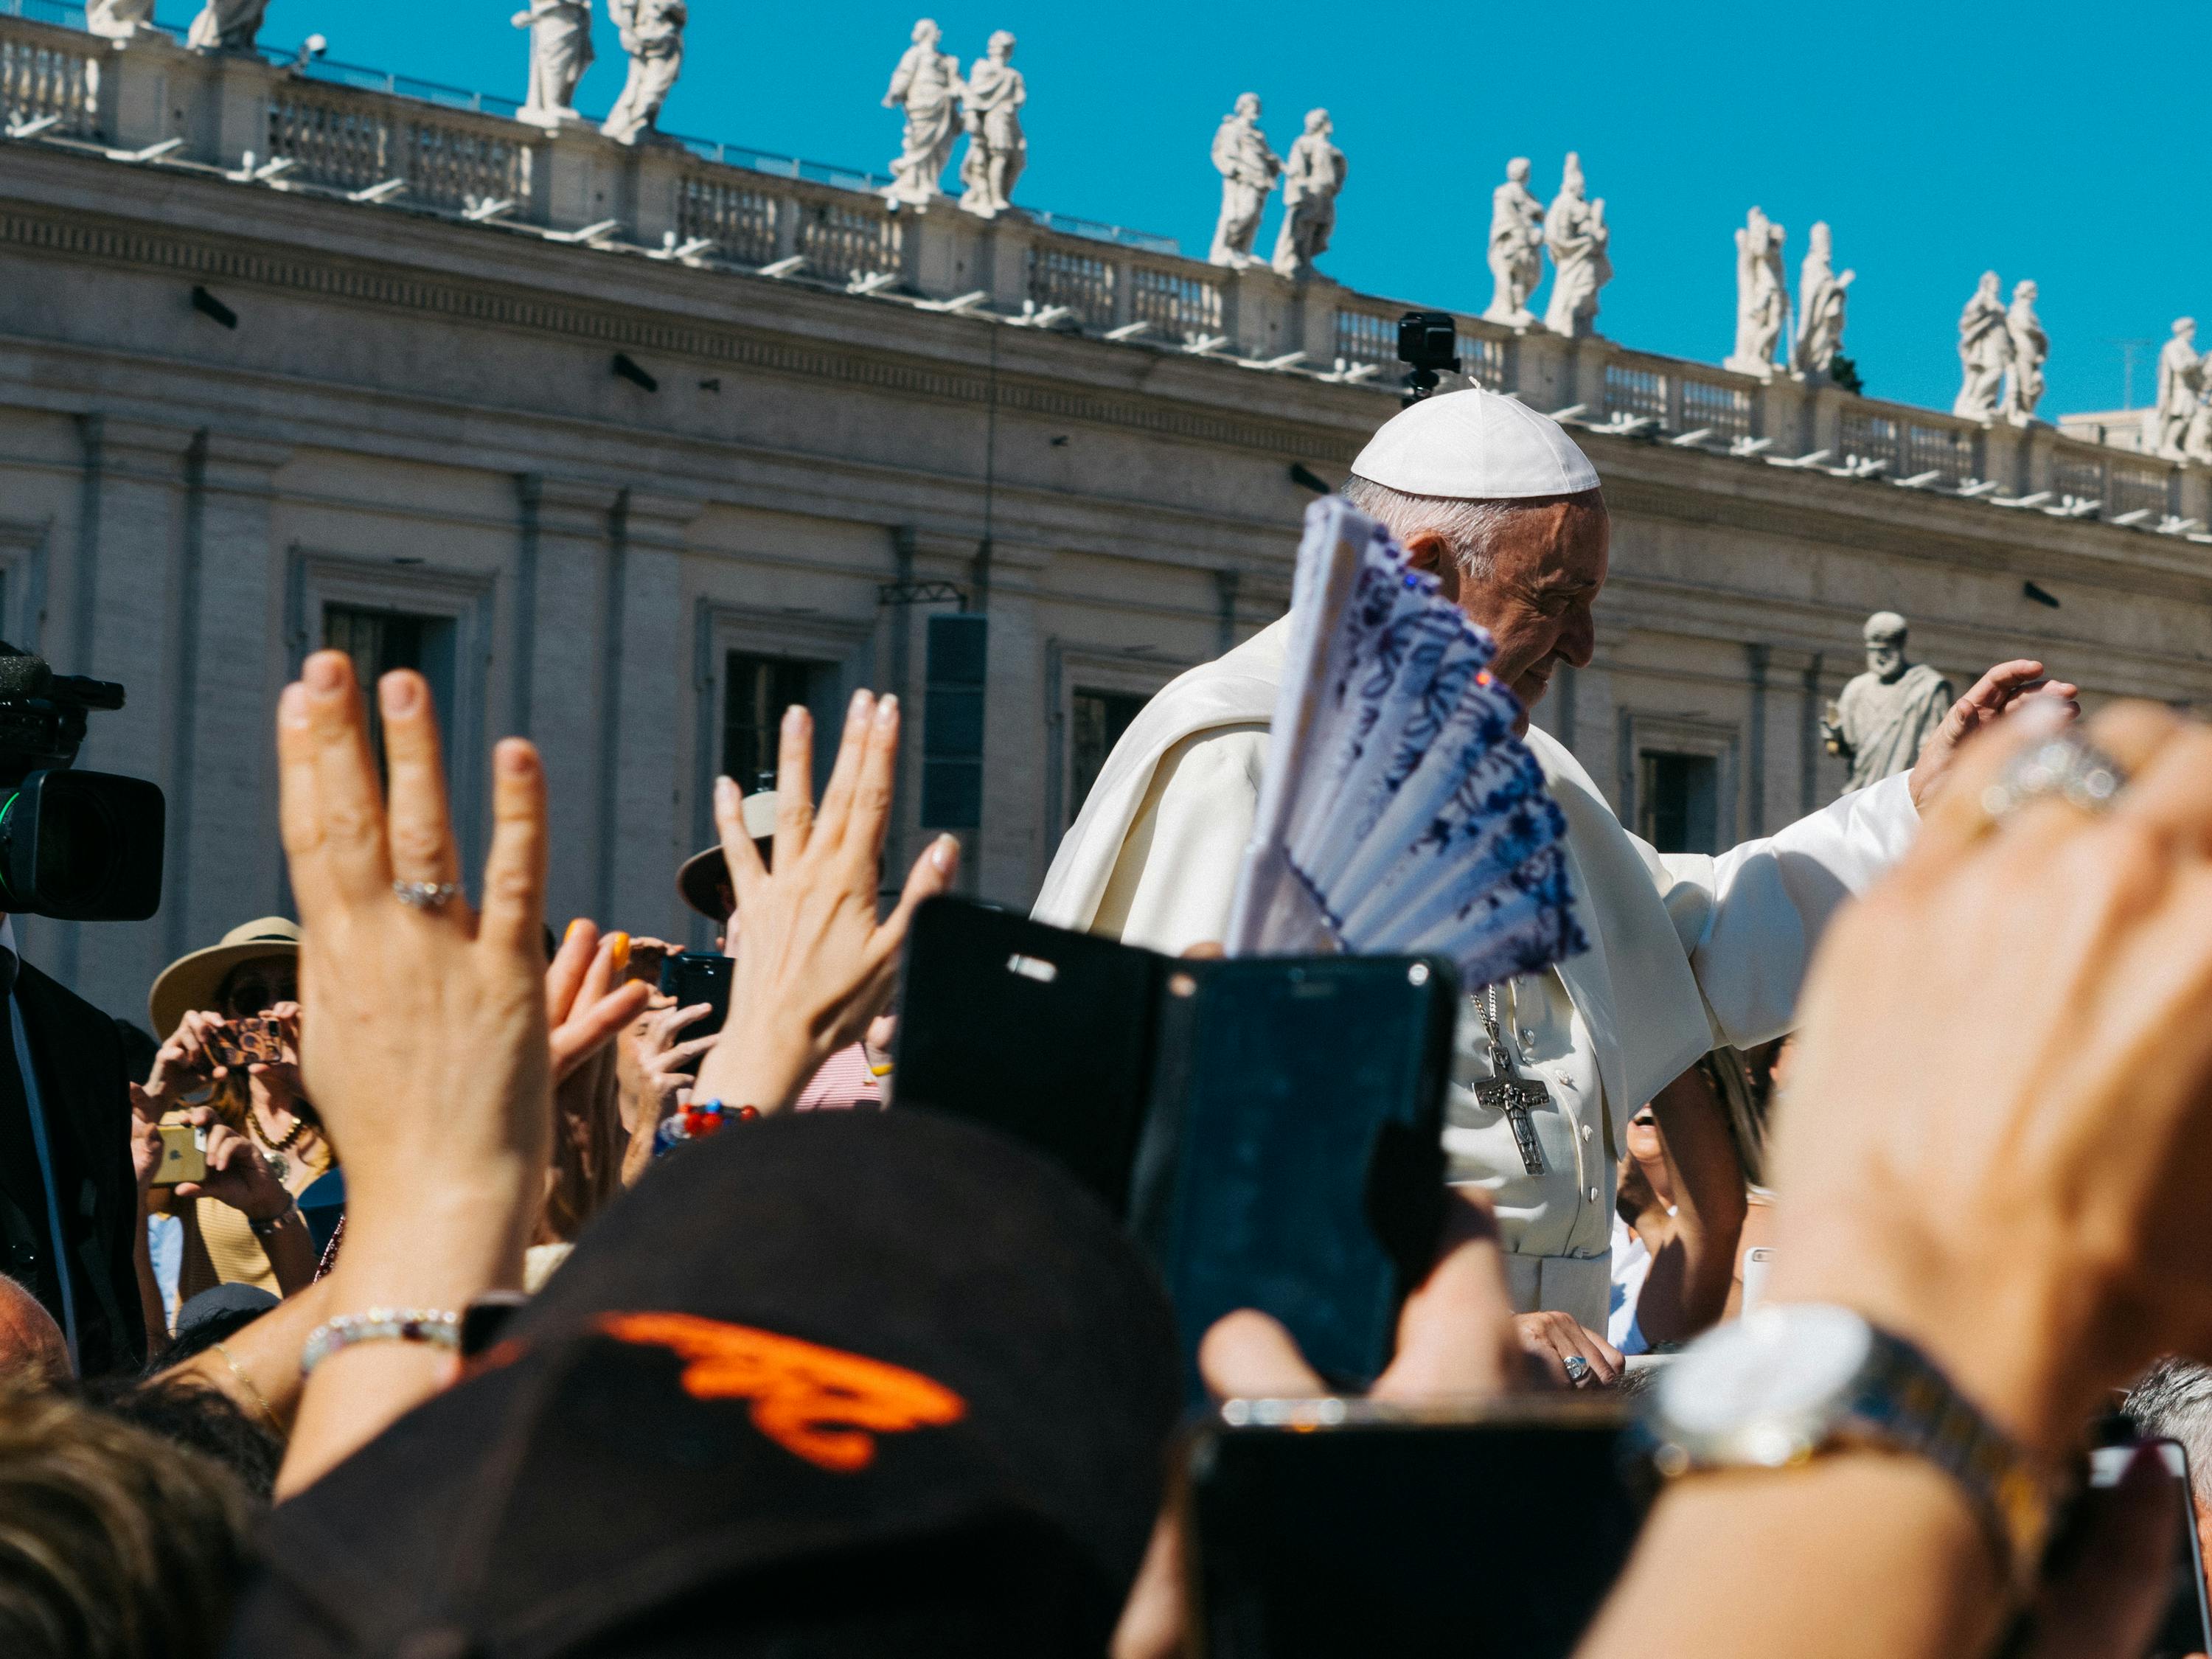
[
  {"x": 1471, "y": 1539},
  {"x": 2187, "y": 1627}
]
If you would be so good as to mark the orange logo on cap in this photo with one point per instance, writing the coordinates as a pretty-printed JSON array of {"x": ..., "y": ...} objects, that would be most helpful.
[{"x": 818, "y": 1403}]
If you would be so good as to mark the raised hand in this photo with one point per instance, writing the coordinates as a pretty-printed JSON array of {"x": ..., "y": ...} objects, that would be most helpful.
[
  {"x": 2000, "y": 1121},
  {"x": 813, "y": 964},
  {"x": 429, "y": 1056},
  {"x": 587, "y": 1000},
  {"x": 2006, "y": 687}
]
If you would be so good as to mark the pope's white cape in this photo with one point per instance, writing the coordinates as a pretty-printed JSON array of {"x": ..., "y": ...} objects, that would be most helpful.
[{"x": 1686, "y": 951}]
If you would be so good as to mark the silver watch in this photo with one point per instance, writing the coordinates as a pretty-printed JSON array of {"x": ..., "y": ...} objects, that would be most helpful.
[{"x": 1792, "y": 1380}]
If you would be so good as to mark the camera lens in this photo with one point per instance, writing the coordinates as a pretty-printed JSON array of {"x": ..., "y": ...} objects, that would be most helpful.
[{"x": 77, "y": 846}]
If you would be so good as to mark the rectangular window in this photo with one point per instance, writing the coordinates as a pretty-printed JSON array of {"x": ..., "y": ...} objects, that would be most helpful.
[
  {"x": 952, "y": 723},
  {"x": 381, "y": 640},
  {"x": 1678, "y": 802},
  {"x": 755, "y": 691},
  {"x": 1099, "y": 719}
]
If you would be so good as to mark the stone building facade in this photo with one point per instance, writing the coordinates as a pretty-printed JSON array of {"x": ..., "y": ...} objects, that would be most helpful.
[{"x": 625, "y": 448}]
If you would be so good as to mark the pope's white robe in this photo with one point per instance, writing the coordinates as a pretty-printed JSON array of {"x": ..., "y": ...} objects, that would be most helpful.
[{"x": 1687, "y": 951}]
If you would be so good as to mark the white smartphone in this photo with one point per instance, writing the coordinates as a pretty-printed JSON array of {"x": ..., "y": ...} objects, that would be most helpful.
[
  {"x": 1757, "y": 1263},
  {"x": 2187, "y": 1627}
]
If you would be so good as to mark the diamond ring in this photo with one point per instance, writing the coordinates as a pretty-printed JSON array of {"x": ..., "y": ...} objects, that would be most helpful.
[
  {"x": 2068, "y": 766},
  {"x": 1578, "y": 1369},
  {"x": 424, "y": 895}
]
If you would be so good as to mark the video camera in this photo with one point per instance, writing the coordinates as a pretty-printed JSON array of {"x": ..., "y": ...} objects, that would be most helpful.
[
  {"x": 78, "y": 846},
  {"x": 1428, "y": 343}
]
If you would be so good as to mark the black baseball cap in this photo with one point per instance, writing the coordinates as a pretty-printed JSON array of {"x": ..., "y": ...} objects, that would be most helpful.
[{"x": 822, "y": 1383}]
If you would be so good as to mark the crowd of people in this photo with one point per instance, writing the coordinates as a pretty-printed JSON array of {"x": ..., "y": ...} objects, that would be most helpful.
[{"x": 508, "y": 1309}]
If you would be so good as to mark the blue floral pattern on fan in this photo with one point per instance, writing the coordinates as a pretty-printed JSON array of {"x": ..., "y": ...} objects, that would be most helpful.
[{"x": 1399, "y": 812}]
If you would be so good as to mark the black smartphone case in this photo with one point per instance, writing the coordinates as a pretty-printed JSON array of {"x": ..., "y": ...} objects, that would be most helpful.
[
  {"x": 696, "y": 976},
  {"x": 1268, "y": 1128}
]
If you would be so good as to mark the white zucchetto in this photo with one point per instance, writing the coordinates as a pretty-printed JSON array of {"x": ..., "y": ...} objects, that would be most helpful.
[{"x": 1474, "y": 446}]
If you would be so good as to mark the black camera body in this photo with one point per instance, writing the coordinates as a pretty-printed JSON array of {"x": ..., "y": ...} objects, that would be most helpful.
[
  {"x": 77, "y": 846},
  {"x": 1428, "y": 343}
]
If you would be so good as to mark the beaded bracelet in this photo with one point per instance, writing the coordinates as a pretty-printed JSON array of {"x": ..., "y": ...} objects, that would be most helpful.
[
  {"x": 700, "y": 1118},
  {"x": 436, "y": 1328}
]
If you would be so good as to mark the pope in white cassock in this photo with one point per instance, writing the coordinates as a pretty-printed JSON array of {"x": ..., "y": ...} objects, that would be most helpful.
[{"x": 1686, "y": 952}]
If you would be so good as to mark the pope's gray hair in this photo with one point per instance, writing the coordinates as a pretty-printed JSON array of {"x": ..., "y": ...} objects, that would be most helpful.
[
  {"x": 2172, "y": 1401},
  {"x": 1468, "y": 527}
]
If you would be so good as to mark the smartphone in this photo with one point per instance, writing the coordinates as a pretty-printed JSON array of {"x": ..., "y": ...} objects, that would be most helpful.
[
  {"x": 255, "y": 1041},
  {"x": 1293, "y": 1161},
  {"x": 1334, "y": 1527},
  {"x": 696, "y": 976},
  {"x": 1758, "y": 1262},
  {"x": 1043, "y": 1034},
  {"x": 1270, "y": 1128},
  {"x": 184, "y": 1154},
  {"x": 2186, "y": 1625}
]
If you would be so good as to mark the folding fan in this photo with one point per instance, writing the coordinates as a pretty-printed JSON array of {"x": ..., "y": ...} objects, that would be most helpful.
[{"x": 1399, "y": 814}]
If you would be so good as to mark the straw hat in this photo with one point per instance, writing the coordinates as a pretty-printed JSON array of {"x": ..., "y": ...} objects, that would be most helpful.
[
  {"x": 192, "y": 982},
  {"x": 703, "y": 879}
]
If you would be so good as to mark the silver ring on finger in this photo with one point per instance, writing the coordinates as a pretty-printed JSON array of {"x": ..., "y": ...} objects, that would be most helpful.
[
  {"x": 2068, "y": 766},
  {"x": 1578, "y": 1370},
  {"x": 425, "y": 894}
]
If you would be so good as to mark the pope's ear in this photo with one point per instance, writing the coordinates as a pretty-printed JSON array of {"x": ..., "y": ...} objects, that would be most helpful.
[{"x": 1427, "y": 551}]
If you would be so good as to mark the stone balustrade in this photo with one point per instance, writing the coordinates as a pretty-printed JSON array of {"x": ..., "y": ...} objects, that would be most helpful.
[{"x": 719, "y": 208}]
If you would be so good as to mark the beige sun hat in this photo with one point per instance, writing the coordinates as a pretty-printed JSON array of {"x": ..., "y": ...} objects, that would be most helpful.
[
  {"x": 192, "y": 982},
  {"x": 704, "y": 881}
]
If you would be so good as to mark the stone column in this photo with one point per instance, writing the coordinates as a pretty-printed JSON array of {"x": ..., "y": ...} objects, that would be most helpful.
[
  {"x": 2037, "y": 446},
  {"x": 2002, "y": 449},
  {"x": 1784, "y": 407},
  {"x": 234, "y": 107},
  {"x": 1259, "y": 320},
  {"x": 655, "y": 171},
  {"x": 556, "y": 630},
  {"x": 580, "y": 178},
  {"x": 225, "y": 857},
  {"x": 112, "y": 610},
  {"x": 138, "y": 104},
  {"x": 1822, "y": 426},
  {"x": 1006, "y": 861},
  {"x": 943, "y": 252},
  {"x": 1314, "y": 330},
  {"x": 639, "y": 840},
  {"x": 1537, "y": 366},
  {"x": 2192, "y": 492},
  {"x": 1587, "y": 359}
]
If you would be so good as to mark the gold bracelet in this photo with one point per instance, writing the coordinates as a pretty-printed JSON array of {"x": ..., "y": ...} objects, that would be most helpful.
[{"x": 247, "y": 1383}]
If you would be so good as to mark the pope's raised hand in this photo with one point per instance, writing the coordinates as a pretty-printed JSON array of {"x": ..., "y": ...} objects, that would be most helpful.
[{"x": 1998, "y": 693}]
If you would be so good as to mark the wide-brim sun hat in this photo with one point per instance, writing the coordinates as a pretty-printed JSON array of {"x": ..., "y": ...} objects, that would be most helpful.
[
  {"x": 702, "y": 879},
  {"x": 192, "y": 982}
]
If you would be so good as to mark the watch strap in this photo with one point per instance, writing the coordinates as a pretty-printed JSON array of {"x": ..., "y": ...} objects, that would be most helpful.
[
  {"x": 1903, "y": 1402},
  {"x": 1899, "y": 1400}
]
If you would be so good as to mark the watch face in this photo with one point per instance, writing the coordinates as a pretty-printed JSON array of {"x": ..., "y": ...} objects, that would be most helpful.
[{"x": 1766, "y": 1387}]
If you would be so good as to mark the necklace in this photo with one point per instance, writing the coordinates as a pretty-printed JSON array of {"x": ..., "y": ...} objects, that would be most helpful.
[
  {"x": 285, "y": 1142},
  {"x": 273, "y": 1150}
]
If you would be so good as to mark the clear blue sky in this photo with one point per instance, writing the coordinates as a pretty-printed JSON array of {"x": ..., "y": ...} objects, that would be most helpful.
[{"x": 2065, "y": 142}]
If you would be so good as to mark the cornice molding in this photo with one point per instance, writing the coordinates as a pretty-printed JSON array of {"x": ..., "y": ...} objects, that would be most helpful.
[{"x": 493, "y": 304}]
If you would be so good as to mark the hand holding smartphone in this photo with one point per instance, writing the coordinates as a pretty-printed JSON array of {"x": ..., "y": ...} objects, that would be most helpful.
[{"x": 183, "y": 1155}]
